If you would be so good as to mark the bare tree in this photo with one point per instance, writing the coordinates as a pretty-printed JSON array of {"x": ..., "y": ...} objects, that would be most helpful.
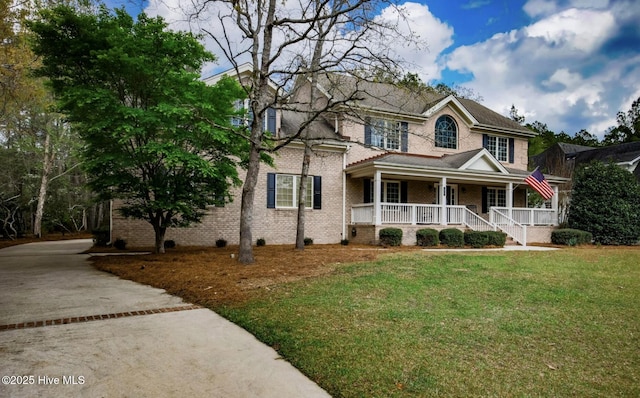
[{"x": 287, "y": 42}]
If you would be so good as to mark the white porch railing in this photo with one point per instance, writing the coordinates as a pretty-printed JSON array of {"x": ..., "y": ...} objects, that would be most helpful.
[
  {"x": 406, "y": 213},
  {"x": 526, "y": 216},
  {"x": 362, "y": 213},
  {"x": 415, "y": 214},
  {"x": 477, "y": 223},
  {"x": 515, "y": 230}
]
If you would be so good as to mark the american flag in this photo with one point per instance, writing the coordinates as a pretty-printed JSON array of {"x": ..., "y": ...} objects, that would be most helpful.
[{"x": 537, "y": 181}]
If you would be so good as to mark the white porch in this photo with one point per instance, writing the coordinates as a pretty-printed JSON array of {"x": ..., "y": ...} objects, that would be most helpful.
[
  {"x": 511, "y": 220},
  {"x": 414, "y": 214}
]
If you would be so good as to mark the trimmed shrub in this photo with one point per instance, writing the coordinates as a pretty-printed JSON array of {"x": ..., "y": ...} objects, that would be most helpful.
[
  {"x": 220, "y": 243},
  {"x": 261, "y": 242},
  {"x": 452, "y": 237},
  {"x": 101, "y": 236},
  {"x": 308, "y": 241},
  {"x": 120, "y": 244},
  {"x": 427, "y": 237},
  {"x": 496, "y": 238},
  {"x": 169, "y": 244},
  {"x": 391, "y": 236},
  {"x": 476, "y": 238},
  {"x": 344, "y": 242},
  {"x": 570, "y": 237}
]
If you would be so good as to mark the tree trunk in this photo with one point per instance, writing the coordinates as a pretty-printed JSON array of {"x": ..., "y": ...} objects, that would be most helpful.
[
  {"x": 44, "y": 183},
  {"x": 245, "y": 256},
  {"x": 160, "y": 232},
  {"x": 302, "y": 197}
]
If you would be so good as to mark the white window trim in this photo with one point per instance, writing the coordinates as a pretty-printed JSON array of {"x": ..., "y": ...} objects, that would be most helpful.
[
  {"x": 498, "y": 139},
  {"x": 489, "y": 205},
  {"x": 296, "y": 182},
  {"x": 388, "y": 126},
  {"x": 455, "y": 123}
]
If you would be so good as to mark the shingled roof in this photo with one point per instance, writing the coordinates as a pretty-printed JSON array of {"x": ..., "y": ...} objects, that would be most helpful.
[
  {"x": 621, "y": 153},
  {"x": 386, "y": 97}
]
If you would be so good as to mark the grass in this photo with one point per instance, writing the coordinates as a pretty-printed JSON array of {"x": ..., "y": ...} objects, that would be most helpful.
[{"x": 526, "y": 324}]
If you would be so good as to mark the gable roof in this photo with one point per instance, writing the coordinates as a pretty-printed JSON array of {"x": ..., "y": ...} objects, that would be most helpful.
[{"x": 390, "y": 98}]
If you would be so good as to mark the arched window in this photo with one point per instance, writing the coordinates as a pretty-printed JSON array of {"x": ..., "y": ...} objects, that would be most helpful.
[{"x": 446, "y": 132}]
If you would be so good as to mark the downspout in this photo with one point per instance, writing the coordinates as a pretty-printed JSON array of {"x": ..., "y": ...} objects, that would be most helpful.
[{"x": 344, "y": 193}]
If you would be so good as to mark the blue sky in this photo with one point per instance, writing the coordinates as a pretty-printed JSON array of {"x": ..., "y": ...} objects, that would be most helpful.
[{"x": 572, "y": 64}]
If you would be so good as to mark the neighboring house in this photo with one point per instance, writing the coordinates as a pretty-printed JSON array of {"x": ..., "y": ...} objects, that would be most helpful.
[
  {"x": 386, "y": 157},
  {"x": 563, "y": 159}
]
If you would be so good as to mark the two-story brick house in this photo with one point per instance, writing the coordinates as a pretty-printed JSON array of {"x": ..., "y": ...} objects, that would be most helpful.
[{"x": 386, "y": 156}]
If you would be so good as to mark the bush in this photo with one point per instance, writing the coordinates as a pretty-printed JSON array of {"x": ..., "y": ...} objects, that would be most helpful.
[
  {"x": 220, "y": 243},
  {"x": 101, "y": 236},
  {"x": 452, "y": 237},
  {"x": 120, "y": 244},
  {"x": 169, "y": 244},
  {"x": 261, "y": 242},
  {"x": 308, "y": 241},
  {"x": 496, "y": 238},
  {"x": 391, "y": 236},
  {"x": 605, "y": 200},
  {"x": 570, "y": 237},
  {"x": 476, "y": 238},
  {"x": 344, "y": 242},
  {"x": 427, "y": 237}
]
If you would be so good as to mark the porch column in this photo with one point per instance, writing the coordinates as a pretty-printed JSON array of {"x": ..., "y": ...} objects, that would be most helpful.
[
  {"x": 554, "y": 205},
  {"x": 377, "y": 193},
  {"x": 443, "y": 200},
  {"x": 510, "y": 199}
]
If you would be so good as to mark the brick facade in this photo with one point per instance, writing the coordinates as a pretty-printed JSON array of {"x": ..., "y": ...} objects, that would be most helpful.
[{"x": 276, "y": 226}]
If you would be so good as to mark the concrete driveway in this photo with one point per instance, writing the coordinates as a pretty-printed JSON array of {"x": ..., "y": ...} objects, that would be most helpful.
[{"x": 68, "y": 330}]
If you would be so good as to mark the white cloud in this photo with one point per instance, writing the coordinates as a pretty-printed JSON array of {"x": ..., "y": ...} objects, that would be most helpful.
[
  {"x": 553, "y": 70},
  {"x": 574, "y": 29},
  {"x": 536, "y": 8},
  {"x": 433, "y": 37}
]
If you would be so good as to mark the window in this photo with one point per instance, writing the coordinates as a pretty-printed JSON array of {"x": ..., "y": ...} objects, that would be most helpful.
[
  {"x": 500, "y": 147},
  {"x": 496, "y": 197},
  {"x": 282, "y": 191},
  {"x": 244, "y": 116},
  {"x": 446, "y": 132},
  {"x": 390, "y": 191},
  {"x": 387, "y": 134},
  {"x": 287, "y": 191}
]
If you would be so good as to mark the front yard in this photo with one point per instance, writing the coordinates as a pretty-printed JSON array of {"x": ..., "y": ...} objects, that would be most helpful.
[{"x": 411, "y": 323}]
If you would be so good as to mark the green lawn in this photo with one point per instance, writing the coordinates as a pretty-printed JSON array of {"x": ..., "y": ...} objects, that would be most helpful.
[{"x": 548, "y": 324}]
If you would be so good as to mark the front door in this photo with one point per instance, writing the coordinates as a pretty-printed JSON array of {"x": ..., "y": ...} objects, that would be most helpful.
[{"x": 452, "y": 194}]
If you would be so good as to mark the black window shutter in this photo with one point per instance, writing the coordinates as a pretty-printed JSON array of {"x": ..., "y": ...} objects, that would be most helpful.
[
  {"x": 404, "y": 197},
  {"x": 367, "y": 190},
  {"x": 271, "y": 190},
  {"x": 511, "y": 150},
  {"x": 484, "y": 200},
  {"x": 271, "y": 120},
  {"x": 317, "y": 192},
  {"x": 404, "y": 136},
  {"x": 485, "y": 140},
  {"x": 367, "y": 132}
]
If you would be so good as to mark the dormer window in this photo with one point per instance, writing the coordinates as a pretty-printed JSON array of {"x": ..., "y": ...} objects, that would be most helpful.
[{"x": 446, "y": 133}]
